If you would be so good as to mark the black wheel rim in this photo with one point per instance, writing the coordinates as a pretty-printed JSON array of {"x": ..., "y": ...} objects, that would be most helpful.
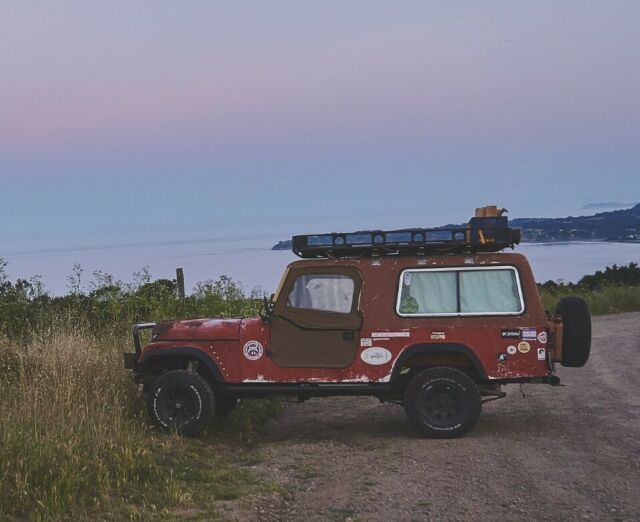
[
  {"x": 441, "y": 405},
  {"x": 179, "y": 405}
]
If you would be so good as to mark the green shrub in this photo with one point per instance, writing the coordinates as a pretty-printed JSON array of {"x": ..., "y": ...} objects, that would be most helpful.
[{"x": 605, "y": 300}]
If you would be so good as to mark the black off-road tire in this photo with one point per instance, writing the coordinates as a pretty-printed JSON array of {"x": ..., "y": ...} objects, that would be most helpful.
[
  {"x": 225, "y": 404},
  {"x": 576, "y": 331},
  {"x": 181, "y": 401},
  {"x": 442, "y": 402}
]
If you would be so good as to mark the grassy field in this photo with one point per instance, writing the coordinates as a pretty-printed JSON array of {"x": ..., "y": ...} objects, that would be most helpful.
[
  {"x": 74, "y": 439},
  {"x": 74, "y": 436},
  {"x": 602, "y": 301},
  {"x": 612, "y": 291}
]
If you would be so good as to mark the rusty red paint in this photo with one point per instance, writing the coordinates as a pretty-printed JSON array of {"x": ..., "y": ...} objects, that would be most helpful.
[
  {"x": 223, "y": 339},
  {"x": 198, "y": 330}
]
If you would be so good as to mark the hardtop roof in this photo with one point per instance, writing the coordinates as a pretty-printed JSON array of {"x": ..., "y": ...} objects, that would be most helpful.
[{"x": 414, "y": 261}]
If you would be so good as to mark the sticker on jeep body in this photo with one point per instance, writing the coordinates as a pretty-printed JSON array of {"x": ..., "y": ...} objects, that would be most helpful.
[
  {"x": 376, "y": 356},
  {"x": 524, "y": 347},
  {"x": 378, "y": 335},
  {"x": 253, "y": 350},
  {"x": 511, "y": 334}
]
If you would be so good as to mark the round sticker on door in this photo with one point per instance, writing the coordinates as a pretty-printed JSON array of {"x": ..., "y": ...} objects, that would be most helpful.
[
  {"x": 376, "y": 356},
  {"x": 542, "y": 337},
  {"x": 253, "y": 350},
  {"x": 512, "y": 350},
  {"x": 524, "y": 347}
]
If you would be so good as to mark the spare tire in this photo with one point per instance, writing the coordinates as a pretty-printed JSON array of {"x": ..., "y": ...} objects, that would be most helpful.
[{"x": 576, "y": 332}]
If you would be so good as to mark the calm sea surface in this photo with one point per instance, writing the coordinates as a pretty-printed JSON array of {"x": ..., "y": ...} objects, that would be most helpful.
[{"x": 254, "y": 264}]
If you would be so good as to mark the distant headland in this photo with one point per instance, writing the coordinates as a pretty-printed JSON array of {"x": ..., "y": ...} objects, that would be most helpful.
[{"x": 616, "y": 225}]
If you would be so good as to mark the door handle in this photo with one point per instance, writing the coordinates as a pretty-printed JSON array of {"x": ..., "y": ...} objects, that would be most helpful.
[{"x": 348, "y": 336}]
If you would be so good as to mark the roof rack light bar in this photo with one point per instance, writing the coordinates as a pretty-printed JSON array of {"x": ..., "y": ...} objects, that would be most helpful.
[{"x": 483, "y": 234}]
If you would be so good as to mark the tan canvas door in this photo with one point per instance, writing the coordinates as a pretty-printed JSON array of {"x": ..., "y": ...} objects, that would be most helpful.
[{"x": 316, "y": 321}]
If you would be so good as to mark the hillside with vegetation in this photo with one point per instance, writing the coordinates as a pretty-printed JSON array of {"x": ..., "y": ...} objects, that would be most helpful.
[{"x": 615, "y": 225}]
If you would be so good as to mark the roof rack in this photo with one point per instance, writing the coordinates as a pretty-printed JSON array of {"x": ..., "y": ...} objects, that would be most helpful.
[{"x": 487, "y": 232}]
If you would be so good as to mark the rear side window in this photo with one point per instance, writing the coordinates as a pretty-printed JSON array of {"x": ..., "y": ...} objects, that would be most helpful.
[
  {"x": 489, "y": 291},
  {"x": 464, "y": 291},
  {"x": 323, "y": 292}
]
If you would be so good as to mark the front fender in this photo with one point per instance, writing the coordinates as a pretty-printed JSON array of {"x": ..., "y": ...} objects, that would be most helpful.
[{"x": 160, "y": 358}]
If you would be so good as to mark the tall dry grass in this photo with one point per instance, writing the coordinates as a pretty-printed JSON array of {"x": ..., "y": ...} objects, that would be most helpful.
[
  {"x": 75, "y": 440},
  {"x": 613, "y": 299},
  {"x": 71, "y": 432}
]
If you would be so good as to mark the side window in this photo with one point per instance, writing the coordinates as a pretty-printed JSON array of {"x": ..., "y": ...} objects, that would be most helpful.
[
  {"x": 323, "y": 292},
  {"x": 473, "y": 291},
  {"x": 428, "y": 293},
  {"x": 489, "y": 291}
]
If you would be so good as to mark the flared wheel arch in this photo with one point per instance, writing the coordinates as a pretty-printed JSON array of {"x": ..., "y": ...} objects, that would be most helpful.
[{"x": 404, "y": 360}]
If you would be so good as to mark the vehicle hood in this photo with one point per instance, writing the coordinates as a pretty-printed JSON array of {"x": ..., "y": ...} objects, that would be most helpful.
[{"x": 198, "y": 330}]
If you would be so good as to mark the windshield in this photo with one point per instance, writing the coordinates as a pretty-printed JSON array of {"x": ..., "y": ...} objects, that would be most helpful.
[{"x": 282, "y": 279}]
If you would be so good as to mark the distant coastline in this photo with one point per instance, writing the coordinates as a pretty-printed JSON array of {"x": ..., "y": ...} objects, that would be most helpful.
[
  {"x": 283, "y": 245},
  {"x": 615, "y": 226}
]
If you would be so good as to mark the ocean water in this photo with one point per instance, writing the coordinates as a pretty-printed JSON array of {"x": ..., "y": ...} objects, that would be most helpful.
[{"x": 253, "y": 263}]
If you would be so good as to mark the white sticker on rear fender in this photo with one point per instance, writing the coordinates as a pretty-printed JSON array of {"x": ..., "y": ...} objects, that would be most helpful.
[{"x": 376, "y": 356}]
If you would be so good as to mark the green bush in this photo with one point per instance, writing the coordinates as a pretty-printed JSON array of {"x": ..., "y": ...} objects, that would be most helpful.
[
  {"x": 107, "y": 308},
  {"x": 612, "y": 291}
]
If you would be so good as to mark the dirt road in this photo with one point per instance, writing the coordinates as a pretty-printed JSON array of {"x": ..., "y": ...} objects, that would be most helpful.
[{"x": 556, "y": 454}]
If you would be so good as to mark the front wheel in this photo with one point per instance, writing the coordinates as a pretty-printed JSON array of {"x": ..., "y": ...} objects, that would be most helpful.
[
  {"x": 442, "y": 402},
  {"x": 181, "y": 401}
]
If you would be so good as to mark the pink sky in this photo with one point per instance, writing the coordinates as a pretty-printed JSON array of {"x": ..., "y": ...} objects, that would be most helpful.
[{"x": 284, "y": 115}]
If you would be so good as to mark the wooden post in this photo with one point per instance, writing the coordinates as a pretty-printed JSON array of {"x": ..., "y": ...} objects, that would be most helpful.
[{"x": 180, "y": 282}]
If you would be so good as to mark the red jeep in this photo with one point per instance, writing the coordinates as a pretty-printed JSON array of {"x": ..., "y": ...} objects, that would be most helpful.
[{"x": 434, "y": 319}]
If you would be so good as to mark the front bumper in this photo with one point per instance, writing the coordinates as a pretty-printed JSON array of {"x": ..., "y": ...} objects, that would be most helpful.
[{"x": 131, "y": 359}]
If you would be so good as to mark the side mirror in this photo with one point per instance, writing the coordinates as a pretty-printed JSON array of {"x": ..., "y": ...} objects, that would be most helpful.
[{"x": 267, "y": 309}]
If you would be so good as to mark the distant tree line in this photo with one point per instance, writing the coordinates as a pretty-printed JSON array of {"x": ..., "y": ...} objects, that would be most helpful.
[
  {"x": 625, "y": 275},
  {"x": 614, "y": 290}
]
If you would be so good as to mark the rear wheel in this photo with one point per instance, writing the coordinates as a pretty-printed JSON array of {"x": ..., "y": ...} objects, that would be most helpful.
[
  {"x": 182, "y": 401},
  {"x": 442, "y": 402}
]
